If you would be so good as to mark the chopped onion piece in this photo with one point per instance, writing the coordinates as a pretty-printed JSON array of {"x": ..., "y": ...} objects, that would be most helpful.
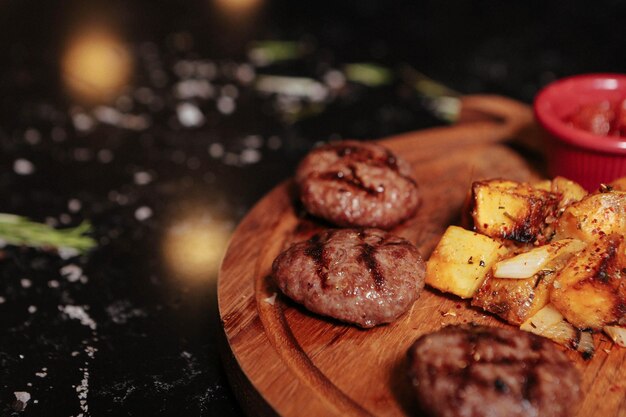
[
  {"x": 585, "y": 345},
  {"x": 617, "y": 333},
  {"x": 527, "y": 264},
  {"x": 551, "y": 324}
]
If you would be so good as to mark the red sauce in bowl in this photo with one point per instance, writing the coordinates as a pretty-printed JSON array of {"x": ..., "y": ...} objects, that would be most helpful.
[
  {"x": 584, "y": 118},
  {"x": 603, "y": 118}
]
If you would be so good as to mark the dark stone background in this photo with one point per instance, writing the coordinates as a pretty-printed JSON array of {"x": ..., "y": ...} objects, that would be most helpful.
[{"x": 153, "y": 350}]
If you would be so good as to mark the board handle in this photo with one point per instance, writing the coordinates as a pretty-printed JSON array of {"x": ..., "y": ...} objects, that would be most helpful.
[
  {"x": 483, "y": 120},
  {"x": 495, "y": 108}
]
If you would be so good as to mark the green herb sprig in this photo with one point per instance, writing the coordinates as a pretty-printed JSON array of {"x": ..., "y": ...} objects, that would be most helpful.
[{"x": 18, "y": 230}]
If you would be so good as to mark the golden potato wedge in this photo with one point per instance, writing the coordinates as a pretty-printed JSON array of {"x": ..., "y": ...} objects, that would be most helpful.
[
  {"x": 590, "y": 291},
  {"x": 461, "y": 261},
  {"x": 519, "y": 286},
  {"x": 593, "y": 216},
  {"x": 619, "y": 184},
  {"x": 545, "y": 185},
  {"x": 512, "y": 210},
  {"x": 569, "y": 191},
  {"x": 514, "y": 300}
]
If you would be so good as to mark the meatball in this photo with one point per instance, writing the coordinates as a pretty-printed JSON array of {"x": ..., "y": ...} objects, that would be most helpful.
[
  {"x": 475, "y": 371},
  {"x": 360, "y": 276},
  {"x": 357, "y": 184}
]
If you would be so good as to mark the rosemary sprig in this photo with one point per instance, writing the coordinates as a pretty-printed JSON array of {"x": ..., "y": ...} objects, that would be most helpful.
[
  {"x": 18, "y": 230},
  {"x": 441, "y": 100},
  {"x": 368, "y": 74},
  {"x": 264, "y": 53}
]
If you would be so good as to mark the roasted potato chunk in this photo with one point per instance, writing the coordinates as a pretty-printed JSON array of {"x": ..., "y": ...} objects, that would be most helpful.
[
  {"x": 512, "y": 210},
  {"x": 518, "y": 290},
  {"x": 590, "y": 291},
  {"x": 619, "y": 184},
  {"x": 569, "y": 191},
  {"x": 461, "y": 261},
  {"x": 545, "y": 185},
  {"x": 549, "y": 323},
  {"x": 514, "y": 300},
  {"x": 593, "y": 216}
]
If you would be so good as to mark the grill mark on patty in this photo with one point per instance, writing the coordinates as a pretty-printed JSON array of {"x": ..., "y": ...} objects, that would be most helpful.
[
  {"x": 391, "y": 161},
  {"x": 361, "y": 154},
  {"x": 368, "y": 257},
  {"x": 530, "y": 381},
  {"x": 352, "y": 179},
  {"x": 315, "y": 251},
  {"x": 515, "y": 380},
  {"x": 472, "y": 358}
]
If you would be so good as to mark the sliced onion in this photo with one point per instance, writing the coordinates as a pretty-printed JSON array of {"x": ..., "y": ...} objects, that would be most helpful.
[
  {"x": 551, "y": 324},
  {"x": 527, "y": 264},
  {"x": 585, "y": 345},
  {"x": 617, "y": 333}
]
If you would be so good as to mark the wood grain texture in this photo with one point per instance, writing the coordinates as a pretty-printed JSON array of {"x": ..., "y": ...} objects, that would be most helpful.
[{"x": 287, "y": 361}]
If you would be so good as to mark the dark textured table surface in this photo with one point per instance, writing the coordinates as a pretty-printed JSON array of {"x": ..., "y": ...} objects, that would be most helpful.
[{"x": 159, "y": 122}]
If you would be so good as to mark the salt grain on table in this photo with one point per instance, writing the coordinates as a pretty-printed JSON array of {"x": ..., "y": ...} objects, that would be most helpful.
[
  {"x": 71, "y": 272},
  {"x": 335, "y": 79},
  {"x": 142, "y": 178},
  {"x": 245, "y": 73},
  {"x": 74, "y": 205},
  {"x": 67, "y": 253},
  {"x": 79, "y": 313},
  {"x": 253, "y": 141},
  {"x": 143, "y": 213},
  {"x": 250, "y": 156},
  {"x": 107, "y": 115},
  {"x": 225, "y": 105},
  {"x": 105, "y": 156},
  {"x": 216, "y": 150},
  {"x": 194, "y": 88},
  {"x": 32, "y": 136},
  {"x": 189, "y": 115},
  {"x": 21, "y": 400},
  {"x": 23, "y": 167},
  {"x": 82, "y": 122}
]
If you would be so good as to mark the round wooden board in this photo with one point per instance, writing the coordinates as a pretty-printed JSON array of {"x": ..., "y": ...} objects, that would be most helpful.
[{"x": 283, "y": 360}]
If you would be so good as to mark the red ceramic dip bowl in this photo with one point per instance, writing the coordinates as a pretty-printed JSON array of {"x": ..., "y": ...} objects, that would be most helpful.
[{"x": 577, "y": 154}]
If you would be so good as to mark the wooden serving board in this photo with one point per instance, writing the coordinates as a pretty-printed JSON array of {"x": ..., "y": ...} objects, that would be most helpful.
[{"x": 283, "y": 360}]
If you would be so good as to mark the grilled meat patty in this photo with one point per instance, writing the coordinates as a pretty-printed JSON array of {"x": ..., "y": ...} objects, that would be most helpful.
[
  {"x": 360, "y": 184},
  {"x": 361, "y": 276},
  {"x": 476, "y": 371}
]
